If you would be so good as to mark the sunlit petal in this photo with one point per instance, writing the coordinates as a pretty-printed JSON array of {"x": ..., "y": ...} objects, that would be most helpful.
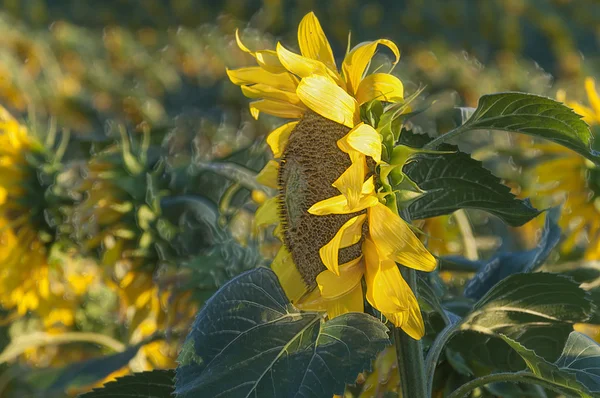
[
  {"x": 339, "y": 205},
  {"x": 352, "y": 179},
  {"x": 380, "y": 86},
  {"x": 256, "y": 75},
  {"x": 364, "y": 139},
  {"x": 258, "y": 91},
  {"x": 396, "y": 241},
  {"x": 278, "y": 138},
  {"x": 348, "y": 234},
  {"x": 356, "y": 61},
  {"x": 290, "y": 279},
  {"x": 333, "y": 286},
  {"x": 329, "y": 100},
  {"x": 313, "y": 42},
  {"x": 276, "y": 108}
]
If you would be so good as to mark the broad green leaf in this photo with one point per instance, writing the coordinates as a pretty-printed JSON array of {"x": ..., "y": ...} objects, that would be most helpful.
[
  {"x": 576, "y": 370},
  {"x": 153, "y": 384},
  {"x": 453, "y": 181},
  {"x": 504, "y": 264},
  {"x": 248, "y": 340},
  {"x": 529, "y": 114}
]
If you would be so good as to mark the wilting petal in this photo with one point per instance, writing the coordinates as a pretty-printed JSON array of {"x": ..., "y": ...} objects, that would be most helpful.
[
  {"x": 339, "y": 205},
  {"x": 352, "y": 179},
  {"x": 386, "y": 289},
  {"x": 290, "y": 279},
  {"x": 380, "y": 86},
  {"x": 276, "y": 108},
  {"x": 313, "y": 42},
  {"x": 268, "y": 175},
  {"x": 267, "y": 213},
  {"x": 396, "y": 241},
  {"x": 259, "y": 91},
  {"x": 364, "y": 139},
  {"x": 592, "y": 94},
  {"x": 333, "y": 286},
  {"x": 348, "y": 234},
  {"x": 278, "y": 138},
  {"x": 351, "y": 302},
  {"x": 256, "y": 75},
  {"x": 358, "y": 59},
  {"x": 329, "y": 100}
]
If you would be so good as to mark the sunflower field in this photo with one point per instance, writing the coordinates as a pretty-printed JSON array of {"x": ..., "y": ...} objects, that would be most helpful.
[{"x": 296, "y": 198}]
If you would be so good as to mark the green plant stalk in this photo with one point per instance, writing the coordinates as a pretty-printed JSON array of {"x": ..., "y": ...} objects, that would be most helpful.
[
  {"x": 409, "y": 353},
  {"x": 434, "y": 354},
  {"x": 445, "y": 137},
  {"x": 518, "y": 377}
]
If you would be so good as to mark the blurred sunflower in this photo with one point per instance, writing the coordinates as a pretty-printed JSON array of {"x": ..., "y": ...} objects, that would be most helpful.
[
  {"x": 573, "y": 180},
  {"x": 29, "y": 205},
  {"x": 332, "y": 180}
]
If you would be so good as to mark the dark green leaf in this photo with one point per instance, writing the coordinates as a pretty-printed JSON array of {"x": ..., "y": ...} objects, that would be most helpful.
[
  {"x": 533, "y": 115},
  {"x": 504, "y": 264},
  {"x": 154, "y": 384},
  {"x": 455, "y": 181},
  {"x": 249, "y": 340},
  {"x": 576, "y": 370}
]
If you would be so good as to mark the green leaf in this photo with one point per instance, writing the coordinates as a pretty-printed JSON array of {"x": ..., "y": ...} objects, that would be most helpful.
[
  {"x": 503, "y": 264},
  {"x": 529, "y": 114},
  {"x": 249, "y": 340},
  {"x": 153, "y": 384},
  {"x": 456, "y": 181},
  {"x": 576, "y": 370}
]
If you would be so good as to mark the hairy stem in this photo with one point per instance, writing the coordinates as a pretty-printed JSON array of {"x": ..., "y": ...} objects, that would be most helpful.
[{"x": 434, "y": 354}]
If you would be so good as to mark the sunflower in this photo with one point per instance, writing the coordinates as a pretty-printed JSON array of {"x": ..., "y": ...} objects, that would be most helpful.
[
  {"x": 336, "y": 213},
  {"x": 574, "y": 181}
]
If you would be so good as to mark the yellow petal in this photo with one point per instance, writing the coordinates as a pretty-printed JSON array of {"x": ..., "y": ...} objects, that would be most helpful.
[
  {"x": 380, "y": 86},
  {"x": 258, "y": 91},
  {"x": 356, "y": 61},
  {"x": 329, "y": 100},
  {"x": 268, "y": 175},
  {"x": 278, "y": 138},
  {"x": 396, "y": 241},
  {"x": 592, "y": 94},
  {"x": 256, "y": 75},
  {"x": 386, "y": 289},
  {"x": 300, "y": 65},
  {"x": 352, "y": 179},
  {"x": 410, "y": 321},
  {"x": 364, "y": 139},
  {"x": 351, "y": 302},
  {"x": 348, "y": 234},
  {"x": 291, "y": 281},
  {"x": 276, "y": 108},
  {"x": 313, "y": 42},
  {"x": 312, "y": 301},
  {"x": 339, "y": 205},
  {"x": 240, "y": 44},
  {"x": 333, "y": 286},
  {"x": 267, "y": 213},
  {"x": 269, "y": 61}
]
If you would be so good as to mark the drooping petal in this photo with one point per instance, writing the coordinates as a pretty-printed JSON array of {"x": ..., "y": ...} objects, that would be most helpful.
[
  {"x": 348, "y": 234},
  {"x": 356, "y": 61},
  {"x": 313, "y": 42},
  {"x": 396, "y": 241},
  {"x": 411, "y": 321},
  {"x": 260, "y": 91},
  {"x": 339, "y": 205},
  {"x": 299, "y": 65},
  {"x": 351, "y": 302},
  {"x": 278, "y": 138},
  {"x": 290, "y": 279},
  {"x": 352, "y": 179},
  {"x": 256, "y": 75},
  {"x": 268, "y": 175},
  {"x": 364, "y": 139},
  {"x": 269, "y": 61},
  {"x": 333, "y": 286},
  {"x": 329, "y": 100},
  {"x": 380, "y": 86},
  {"x": 267, "y": 213},
  {"x": 386, "y": 289},
  {"x": 312, "y": 301},
  {"x": 592, "y": 94},
  {"x": 276, "y": 108}
]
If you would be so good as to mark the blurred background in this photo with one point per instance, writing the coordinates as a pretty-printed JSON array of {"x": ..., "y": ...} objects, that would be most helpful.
[{"x": 127, "y": 158}]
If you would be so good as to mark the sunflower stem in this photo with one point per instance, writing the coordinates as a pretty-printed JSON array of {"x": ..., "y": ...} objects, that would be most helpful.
[{"x": 409, "y": 353}]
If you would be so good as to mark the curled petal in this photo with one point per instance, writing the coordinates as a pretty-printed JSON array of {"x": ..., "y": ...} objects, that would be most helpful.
[
  {"x": 313, "y": 42},
  {"x": 348, "y": 234},
  {"x": 329, "y": 100},
  {"x": 268, "y": 175},
  {"x": 358, "y": 59},
  {"x": 380, "y": 86},
  {"x": 352, "y": 179},
  {"x": 333, "y": 286},
  {"x": 364, "y": 139},
  {"x": 339, "y": 205},
  {"x": 351, "y": 302},
  {"x": 395, "y": 240},
  {"x": 278, "y": 138}
]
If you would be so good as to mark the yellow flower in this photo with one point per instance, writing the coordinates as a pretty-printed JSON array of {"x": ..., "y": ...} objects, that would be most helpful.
[
  {"x": 332, "y": 218},
  {"x": 574, "y": 181}
]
